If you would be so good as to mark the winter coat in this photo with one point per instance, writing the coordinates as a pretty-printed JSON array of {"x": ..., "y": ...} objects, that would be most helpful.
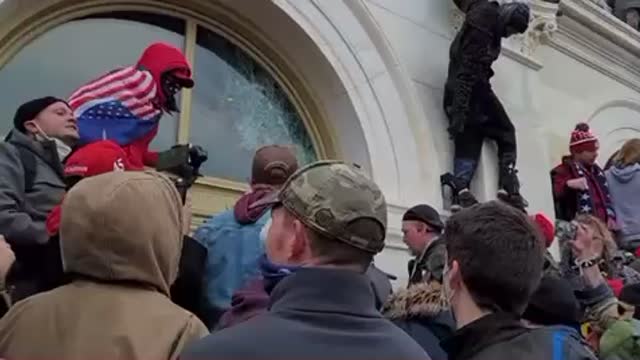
[
  {"x": 23, "y": 211},
  {"x": 121, "y": 236},
  {"x": 23, "y": 215},
  {"x": 232, "y": 239},
  {"x": 421, "y": 312},
  {"x": 567, "y": 200},
  {"x": 315, "y": 313},
  {"x": 186, "y": 291},
  {"x": 253, "y": 299},
  {"x": 501, "y": 336},
  {"x": 624, "y": 186},
  {"x": 430, "y": 264},
  {"x": 473, "y": 51}
]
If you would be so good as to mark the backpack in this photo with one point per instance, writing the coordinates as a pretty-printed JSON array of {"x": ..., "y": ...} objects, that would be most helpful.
[
  {"x": 621, "y": 341},
  {"x": 29, "y": 163}
]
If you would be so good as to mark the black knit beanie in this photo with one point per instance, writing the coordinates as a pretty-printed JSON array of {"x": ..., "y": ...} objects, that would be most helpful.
[
  {"x": 31, "y": 109},
  {"x": 553, "y": 303},
  {"x": 515, "y": 15},
  {"x": 631, "y": 295}
]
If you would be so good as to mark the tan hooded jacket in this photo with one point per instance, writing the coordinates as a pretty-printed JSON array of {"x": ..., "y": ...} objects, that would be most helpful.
[{"x": 121, "y": 233}]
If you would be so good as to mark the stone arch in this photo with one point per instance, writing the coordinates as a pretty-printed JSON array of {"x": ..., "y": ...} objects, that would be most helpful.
[
  {"x": 337, "y": 55},
  {"x": 614, "y": 123},
  {"x": 380, "y": 93}
]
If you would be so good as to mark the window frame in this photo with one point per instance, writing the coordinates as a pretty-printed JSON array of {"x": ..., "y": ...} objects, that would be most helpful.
[{"x": 322, "y": 139}]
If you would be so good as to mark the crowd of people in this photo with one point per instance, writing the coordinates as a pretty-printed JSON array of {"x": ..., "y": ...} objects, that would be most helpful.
[{"x": 97, "y": 260}]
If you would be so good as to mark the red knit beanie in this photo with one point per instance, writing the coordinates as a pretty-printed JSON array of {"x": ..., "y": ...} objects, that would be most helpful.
[
  {"x": 546, "y": 226},
  {"x": 582, "y": 139}
]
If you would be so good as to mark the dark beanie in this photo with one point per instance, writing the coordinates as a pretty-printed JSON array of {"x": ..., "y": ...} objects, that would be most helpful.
[
  {"x": 31, "y": 109},
  {"x": 426, "y": 214},
  {"x": 553, "y": 303},
  {"x": 515, "y": 15},
  {"x": 630, "y": 294}
]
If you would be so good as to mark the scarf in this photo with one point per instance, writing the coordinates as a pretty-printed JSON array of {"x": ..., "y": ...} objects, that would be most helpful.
[
  {"x": 586, "y": 203},
  {"x": 272, "y": 273}
]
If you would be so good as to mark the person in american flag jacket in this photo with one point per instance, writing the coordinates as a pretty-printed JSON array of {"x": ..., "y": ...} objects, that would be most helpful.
[
  {"x": 579, "y": 184},
  {"x": 126, "y": 104}
]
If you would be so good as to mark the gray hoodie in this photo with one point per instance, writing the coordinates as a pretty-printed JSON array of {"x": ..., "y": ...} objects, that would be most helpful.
[{"x": 624, "y": 186}]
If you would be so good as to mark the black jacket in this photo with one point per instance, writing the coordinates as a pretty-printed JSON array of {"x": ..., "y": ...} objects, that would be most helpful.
[
  {"x": 429, "y": 265},
  {"x": 314, "y": 314},
  {"x": 186, "y": 291},
  {"x": 420, "y": 311},
  {"x": 502, "y": 336},
  {"x": 473, "y": 51}
]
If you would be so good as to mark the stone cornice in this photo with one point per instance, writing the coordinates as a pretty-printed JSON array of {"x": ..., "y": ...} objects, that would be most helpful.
[
  {"x": 597, "y": 39},
  {"x": 521, "y": 48}
]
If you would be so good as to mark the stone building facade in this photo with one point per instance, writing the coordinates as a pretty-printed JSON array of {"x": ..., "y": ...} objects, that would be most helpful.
[{"x": 359, "y": 80}]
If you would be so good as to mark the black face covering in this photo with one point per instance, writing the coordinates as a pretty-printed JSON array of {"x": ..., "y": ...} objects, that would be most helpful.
[{"x": 170, "y": 87}]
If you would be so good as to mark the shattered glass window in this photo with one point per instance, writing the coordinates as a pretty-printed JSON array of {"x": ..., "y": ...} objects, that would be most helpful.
[
  {"x": 55, "y": 63},
  {"x": 238, "y": 107}
]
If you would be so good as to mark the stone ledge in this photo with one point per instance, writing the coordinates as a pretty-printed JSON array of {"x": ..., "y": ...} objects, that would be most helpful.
[
  {"x": 596, "y": 38},
  {"x": 522, "y": 48}
]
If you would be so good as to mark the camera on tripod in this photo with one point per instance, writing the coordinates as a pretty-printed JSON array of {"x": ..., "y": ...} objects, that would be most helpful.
[{"x": 183, "y": 161}]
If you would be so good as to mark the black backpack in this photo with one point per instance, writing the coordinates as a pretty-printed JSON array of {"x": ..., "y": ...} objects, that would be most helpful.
[
  {"x": 29, "y": 164},
  {"x": 28, "y": 159}
]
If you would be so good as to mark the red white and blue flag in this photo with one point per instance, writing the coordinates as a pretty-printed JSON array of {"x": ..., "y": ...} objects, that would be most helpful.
[{"x": 118, "y": 106}]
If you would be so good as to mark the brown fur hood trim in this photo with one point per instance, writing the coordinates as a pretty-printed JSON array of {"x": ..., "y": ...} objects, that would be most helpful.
[{"x": 422, "y": 299}]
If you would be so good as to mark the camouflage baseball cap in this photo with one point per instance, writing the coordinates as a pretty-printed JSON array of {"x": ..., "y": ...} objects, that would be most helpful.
[{"x": 338, "y": 201}]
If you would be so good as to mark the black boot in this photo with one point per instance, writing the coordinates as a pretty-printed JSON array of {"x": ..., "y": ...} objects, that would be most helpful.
[
  {"x": 465, "y": 200},
  {"x": 509, "y": 191},
  {"x": 461, "y": 196}
]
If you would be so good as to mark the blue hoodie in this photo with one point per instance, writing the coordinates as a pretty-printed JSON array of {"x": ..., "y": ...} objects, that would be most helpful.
[{"x": 624, "y": 186}]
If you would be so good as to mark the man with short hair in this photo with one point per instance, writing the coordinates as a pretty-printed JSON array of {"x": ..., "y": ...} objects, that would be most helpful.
[
  {"x": 232, "y": 237},
  {"x": 44, "y": 133},
  {"x": 421, "y": 227},
  {"x": 328, "y": 222},
  {"x": 579, "y": 184},
  {"x": 494, "y": 264}
]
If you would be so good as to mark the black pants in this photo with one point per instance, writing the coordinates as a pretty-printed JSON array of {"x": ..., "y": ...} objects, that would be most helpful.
[{"x": 488, "y": 120}]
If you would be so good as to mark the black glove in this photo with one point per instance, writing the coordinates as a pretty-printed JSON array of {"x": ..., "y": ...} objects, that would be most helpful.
[{"x": 456, "y": 125}]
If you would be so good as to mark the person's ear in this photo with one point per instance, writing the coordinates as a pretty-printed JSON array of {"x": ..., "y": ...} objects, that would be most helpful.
[
  {"x": 454, "y": 275},
  {"x": 300, "y": 243},
  {"x": 31, "y": 127}
]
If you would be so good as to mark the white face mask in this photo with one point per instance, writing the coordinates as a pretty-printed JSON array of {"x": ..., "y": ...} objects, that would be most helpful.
[
  {"x": 62, "y": 149},
  {"x": 265, "y": 231}
]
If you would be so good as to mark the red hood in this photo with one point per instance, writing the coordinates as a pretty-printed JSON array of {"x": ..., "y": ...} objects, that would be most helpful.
[{"x": 158, "y": 58}]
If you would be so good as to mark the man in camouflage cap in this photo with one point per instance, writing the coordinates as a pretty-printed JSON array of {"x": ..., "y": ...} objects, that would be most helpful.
[{"x": 328, "y": 221}]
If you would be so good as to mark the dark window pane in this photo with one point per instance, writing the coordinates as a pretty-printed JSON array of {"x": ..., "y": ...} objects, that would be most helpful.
[
  {"x": 68, "y": 56},
  {"x": 237, "y": 107}
]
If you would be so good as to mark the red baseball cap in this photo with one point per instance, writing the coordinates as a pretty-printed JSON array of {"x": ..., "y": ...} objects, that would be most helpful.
[
  {"x": 546, "y": 226},
  {"x": 98, "y": 158}
]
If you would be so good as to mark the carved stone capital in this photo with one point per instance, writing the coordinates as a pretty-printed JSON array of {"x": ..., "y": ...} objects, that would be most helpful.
[{"x": 542, "y": 25}]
